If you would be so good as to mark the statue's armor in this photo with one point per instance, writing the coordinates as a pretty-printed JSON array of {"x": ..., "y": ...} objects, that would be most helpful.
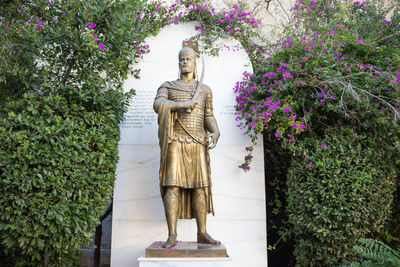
[
  {"x": 183, "y": 140},
  {"x": 193, "y": 122}
]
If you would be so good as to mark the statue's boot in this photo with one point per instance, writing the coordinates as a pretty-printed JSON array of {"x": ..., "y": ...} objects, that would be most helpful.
[
  {"x": 171, "y": 241},
  {"x": 205, "y": 238},
  {"x": 171, "y": 206},
  {"x": 200, "y": 211}
]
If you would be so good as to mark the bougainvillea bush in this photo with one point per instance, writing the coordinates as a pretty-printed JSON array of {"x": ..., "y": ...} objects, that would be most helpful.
[{"x": 328, "y": 92}]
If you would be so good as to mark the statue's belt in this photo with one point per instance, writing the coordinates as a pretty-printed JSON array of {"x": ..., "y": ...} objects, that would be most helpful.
[{"x": 191, "y": 135}]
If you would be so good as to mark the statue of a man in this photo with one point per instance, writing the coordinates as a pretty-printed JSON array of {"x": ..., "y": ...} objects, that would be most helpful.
[{"x": 187, "y": 130}]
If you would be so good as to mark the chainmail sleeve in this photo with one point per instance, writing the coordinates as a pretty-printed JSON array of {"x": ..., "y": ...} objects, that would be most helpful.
[
  {"x": 208, "y": 111},
  {"x": 161, "y": 97}
]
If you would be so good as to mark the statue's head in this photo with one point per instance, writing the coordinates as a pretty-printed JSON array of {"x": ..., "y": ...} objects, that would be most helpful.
[{"x": 187, "y": 61}]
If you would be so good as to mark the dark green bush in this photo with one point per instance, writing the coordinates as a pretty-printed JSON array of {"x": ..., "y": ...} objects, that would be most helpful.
[
  {"x": 57, "y": 166},
  {"x": 343, "y": 195}
]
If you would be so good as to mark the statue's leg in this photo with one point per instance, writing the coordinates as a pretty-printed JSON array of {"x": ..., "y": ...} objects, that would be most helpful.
[
  {"x": 171, "y": 206},
  {"x": 200, "y": 211}
]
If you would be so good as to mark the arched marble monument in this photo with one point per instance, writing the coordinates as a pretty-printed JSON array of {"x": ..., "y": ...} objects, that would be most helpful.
[{"x": 239, "y": 197}]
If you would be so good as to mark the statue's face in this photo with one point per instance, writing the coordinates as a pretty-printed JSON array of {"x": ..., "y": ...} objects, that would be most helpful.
[{"x": 187, "y": 62}]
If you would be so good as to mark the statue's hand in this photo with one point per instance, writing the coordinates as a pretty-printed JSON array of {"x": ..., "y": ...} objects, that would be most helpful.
[
  {"x": 214, "y": 140},
  {"x": 189, "y": 104},
  {"x": 193, "y": 104}
]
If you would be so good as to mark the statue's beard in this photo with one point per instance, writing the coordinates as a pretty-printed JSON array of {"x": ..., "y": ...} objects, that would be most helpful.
[{"x": 185, "y": 69}]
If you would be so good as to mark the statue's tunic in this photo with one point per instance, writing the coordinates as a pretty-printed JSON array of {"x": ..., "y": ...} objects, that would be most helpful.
[{"x": 183, "y": 142}]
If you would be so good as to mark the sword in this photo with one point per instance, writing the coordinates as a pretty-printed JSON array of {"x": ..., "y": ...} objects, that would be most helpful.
[{"x": 197, "y": 91}]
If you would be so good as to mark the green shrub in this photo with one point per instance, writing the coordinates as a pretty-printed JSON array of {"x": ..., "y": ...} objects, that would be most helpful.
[
  {"x": 342, "y": 194},
  {"x": 57, "y": 167}
]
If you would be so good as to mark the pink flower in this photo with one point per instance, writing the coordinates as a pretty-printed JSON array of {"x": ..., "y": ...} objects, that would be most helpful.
[
  {"x": 324, "y": 146},
  {"x": 101, "y": 46},
  {"x": 355, "y": 134},
  {"x": 286, "y": 109},
  {"x": 277, "y": 134},
  {"x": 310, "y": 164},
  {"x": 7, "y": 27},
  {"x": 91, "y": 24}
]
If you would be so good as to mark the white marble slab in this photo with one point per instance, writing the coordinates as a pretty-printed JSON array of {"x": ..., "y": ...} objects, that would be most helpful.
[
  {"x": 239, "y": 197},
  {"x": 185, "y": 262}
]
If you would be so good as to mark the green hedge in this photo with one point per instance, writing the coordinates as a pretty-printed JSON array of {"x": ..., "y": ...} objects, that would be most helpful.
[
  {"x": 344, "y": 195},
  {"x": 57, "y": 162}
]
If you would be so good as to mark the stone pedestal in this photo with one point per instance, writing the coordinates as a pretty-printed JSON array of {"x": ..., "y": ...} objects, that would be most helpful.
[
  {"x": 185, "y": 250},
  {"x": 185, "y": 254},
  {"x": 185, "y": 262}
]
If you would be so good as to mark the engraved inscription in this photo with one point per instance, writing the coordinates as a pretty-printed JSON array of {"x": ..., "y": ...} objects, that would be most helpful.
[
  {"x": 140, "y": 113},
  {"x": 227, "y": 110}
]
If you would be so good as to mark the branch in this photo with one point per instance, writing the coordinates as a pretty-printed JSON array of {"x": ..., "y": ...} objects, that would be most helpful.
[
  {"x": 350, "y": 88},
  {"x": 279, "y": 2},
  {"x": 67, "y": 73},
  {"x": 396, "y": 113}
]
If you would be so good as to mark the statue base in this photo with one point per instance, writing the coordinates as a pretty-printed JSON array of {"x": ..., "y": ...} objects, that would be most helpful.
[
  {"x": 185, "y": 262},
  {"x": 185, "y": 250},
  {"x": 185, "y": 254}
]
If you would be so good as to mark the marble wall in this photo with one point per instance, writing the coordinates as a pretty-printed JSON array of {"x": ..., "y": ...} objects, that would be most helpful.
[{"x": 239, "y": 197}]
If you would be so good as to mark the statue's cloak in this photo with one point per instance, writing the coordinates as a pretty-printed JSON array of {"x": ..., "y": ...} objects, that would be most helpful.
[{"x": 166, "y": 120}]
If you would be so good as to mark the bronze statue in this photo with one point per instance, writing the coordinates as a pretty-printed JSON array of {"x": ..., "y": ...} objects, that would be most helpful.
[{"x": 187, "y": 130}]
